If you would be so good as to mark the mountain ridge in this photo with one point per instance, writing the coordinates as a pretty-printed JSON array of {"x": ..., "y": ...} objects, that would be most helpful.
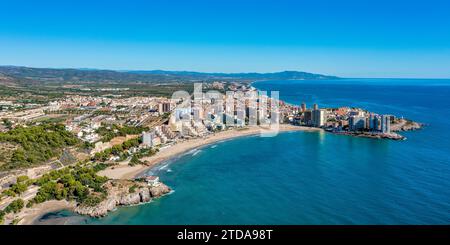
[{"x": 63, "y": 75}]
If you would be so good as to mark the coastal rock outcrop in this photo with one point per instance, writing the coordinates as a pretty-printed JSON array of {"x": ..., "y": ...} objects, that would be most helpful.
[
  {"x": 405, "y": 125},
  {"x": 97, "y": 211},
  {"x": 159, "y": 190},
  {"x": 130, "y": 199},
  {"x": 144, "y": 194},
  {"x": 123, "y": 193}
]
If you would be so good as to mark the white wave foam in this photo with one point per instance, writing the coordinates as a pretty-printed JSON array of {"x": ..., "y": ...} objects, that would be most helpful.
[
  {"x": 191, "y": 151},
  {"x": 196, "y": 152}
]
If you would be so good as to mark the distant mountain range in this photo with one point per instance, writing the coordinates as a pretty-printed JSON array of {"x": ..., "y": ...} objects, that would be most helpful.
[
  {"x": 284, "y": 75},
  {"x": 19, "y": 74}
]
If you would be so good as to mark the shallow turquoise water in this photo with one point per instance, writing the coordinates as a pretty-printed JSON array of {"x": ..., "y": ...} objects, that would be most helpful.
[{"x": 316, "y": 177}]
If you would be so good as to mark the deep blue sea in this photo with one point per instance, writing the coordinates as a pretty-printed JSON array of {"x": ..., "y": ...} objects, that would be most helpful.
[{"x": 316, "y": 177}]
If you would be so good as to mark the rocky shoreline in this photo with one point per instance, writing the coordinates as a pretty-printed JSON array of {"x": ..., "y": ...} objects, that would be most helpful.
[
  {"x": 405, "y": 125},
  {"x": 118, "y": 193},
  {"x": 392, "y": 136},
  {"x": 400, "y": 125},
  {"x": 123, "y": 193}
]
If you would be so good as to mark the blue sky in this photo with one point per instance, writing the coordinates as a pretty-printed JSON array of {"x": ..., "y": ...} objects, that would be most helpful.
[{"x": 345, "y": 38}]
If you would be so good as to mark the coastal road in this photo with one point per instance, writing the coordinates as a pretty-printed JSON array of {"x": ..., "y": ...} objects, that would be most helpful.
[{"x": 27, "y": 195}]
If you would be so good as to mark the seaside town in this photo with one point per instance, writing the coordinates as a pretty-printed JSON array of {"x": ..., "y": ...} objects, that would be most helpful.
[{"x": 89, "y": 153}]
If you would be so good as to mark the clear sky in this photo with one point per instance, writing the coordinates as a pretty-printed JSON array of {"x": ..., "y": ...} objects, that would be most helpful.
[{"x": 358, "y": 38}]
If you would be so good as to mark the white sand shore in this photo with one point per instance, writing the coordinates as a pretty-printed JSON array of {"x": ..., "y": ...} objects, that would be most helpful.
[
  {"x": 29, "y": 215},
  {"x": 128, "y": 172}
]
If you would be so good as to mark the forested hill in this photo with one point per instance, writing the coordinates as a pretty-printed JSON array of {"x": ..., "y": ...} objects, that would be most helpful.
[
  {"x": 25, "y": 147},
  {"x": 20, "y": 74},
  {"x": 284, "y": 75}
]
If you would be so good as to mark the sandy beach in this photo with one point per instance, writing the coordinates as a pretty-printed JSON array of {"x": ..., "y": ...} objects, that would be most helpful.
[
  {"x": 29, "y": 215},
  {"x": 128, "y": 172}
]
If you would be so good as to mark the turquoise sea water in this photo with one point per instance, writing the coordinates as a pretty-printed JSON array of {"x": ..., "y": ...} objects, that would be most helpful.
[{"x": 315, "y": 177}]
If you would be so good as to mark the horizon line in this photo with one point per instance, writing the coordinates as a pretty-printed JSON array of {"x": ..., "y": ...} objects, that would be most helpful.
[{"x": 217, "y": 72}]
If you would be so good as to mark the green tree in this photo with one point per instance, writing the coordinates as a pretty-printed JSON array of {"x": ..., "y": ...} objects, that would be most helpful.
[
  {"x": 22, "y": 178},
  {"x": 9, "y": 192},
  {"x": 8, "y": 124},
  {"x": 134, "y": 161},
  {"x": 19, "y": 188},
  {"x": 2, "y": 216},
  {"x": 15, "y": 206}
]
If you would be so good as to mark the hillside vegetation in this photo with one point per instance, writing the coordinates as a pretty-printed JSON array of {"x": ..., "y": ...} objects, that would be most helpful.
[{"x": 35, "y": 145}]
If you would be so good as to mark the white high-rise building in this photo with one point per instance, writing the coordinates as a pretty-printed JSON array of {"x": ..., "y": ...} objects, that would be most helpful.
[
  {"x": 385, "y": 124},
  {"x": 147, "y": 139},
  {"x": 357, "y": 123},
  {"x": 318, "y": 117},
  {"x": 164, "y": 107}
]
